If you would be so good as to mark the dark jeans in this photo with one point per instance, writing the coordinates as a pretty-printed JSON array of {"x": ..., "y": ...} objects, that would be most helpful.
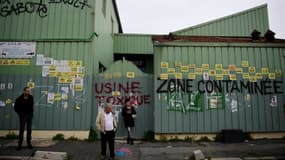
[
  {"x": 25, "y": 120},
  {"x": 109, "y": 137}
]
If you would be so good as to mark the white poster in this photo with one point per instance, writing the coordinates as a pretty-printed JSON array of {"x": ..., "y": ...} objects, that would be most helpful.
[
  {"x": 40, "y": 59},
  {"x": 234, "y": 105},
  {"x": 274, "y": 101},
  {"x": 45, "y": 71},
  {"x": 50, "y": 98},
  {"x": 17, "y": 49}
]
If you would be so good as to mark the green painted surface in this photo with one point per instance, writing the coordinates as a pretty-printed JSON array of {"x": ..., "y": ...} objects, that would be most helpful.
[
  {"x": 240, "y": 24},
  {"x": 254, "y": 112},
  {"x": 133, "y": 44}
]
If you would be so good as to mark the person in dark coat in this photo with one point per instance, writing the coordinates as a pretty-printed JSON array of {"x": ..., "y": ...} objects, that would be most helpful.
[
  {"x": 24, "y": 107},
  {"x": 128, "y": 114}
]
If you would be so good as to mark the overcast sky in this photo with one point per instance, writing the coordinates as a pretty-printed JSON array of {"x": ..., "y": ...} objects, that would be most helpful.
[{"x": 164, "y": 16}]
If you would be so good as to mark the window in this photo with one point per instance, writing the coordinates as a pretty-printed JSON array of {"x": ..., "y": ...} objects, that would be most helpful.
[{"x": 104, "y": 7}]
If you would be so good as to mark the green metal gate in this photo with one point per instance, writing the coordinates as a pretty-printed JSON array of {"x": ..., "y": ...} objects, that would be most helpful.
[{"x": 124, "y": 80}]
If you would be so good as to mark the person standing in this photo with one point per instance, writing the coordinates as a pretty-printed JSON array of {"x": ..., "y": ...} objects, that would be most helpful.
[
  {"x": 24, "y": 107},
  {"x": 129, "y": 113},
  {"x": 106, "y": 123}
]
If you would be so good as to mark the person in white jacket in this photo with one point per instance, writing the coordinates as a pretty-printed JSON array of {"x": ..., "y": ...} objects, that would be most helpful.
[{"x": 107, "y": 125}]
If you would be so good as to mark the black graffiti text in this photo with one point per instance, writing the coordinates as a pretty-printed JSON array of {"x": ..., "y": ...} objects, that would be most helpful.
[
  {"x": 8, "y": 8},
  {"x": 263, "y": 87},
  {"x": 75, "y": 3}
]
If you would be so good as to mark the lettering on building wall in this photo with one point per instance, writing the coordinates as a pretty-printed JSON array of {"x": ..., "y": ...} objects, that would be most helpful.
[
  {"x": 40, "y": 7},
  {"x": 263, "y": 87},
  {"x": 105, "y": 93}
]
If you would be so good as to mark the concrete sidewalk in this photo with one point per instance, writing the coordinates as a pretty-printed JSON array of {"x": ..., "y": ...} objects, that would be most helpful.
[{"x": 80, "y": 150}]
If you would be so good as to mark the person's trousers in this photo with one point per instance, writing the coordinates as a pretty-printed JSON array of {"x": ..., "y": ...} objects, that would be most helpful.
[
  {"x": 108, "y": 137},
  {"x": 25, "y": 120},
  {"x": 129, "y": 139}
]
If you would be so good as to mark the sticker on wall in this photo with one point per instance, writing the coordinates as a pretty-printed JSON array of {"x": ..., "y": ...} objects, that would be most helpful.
[
  {"x": 171, "y": 70},
  {"x": 264, "y": 70},
  {"x": 130, "y": 74},
  {"x": 205, "y": 76},
  {"x": 244, "y": 64},
  {"x": 50, "y": 98},
  {"x": 234, "y": 105},
  {"x": 117, "y": 75},
  {"x": 2, "y": 104},
  {"x": 116, "y": 93},
  {"x": 178, "y": 64},
  {"x": 64, "y": 96},
  {"x": 233, "y": 77},
  {"x": 192, "y": 66},
  {"x": 45, "y": 71},
  {"x": 184, "y": 68},
  {"x": 205, "y": 66},
  {"x": 198, "y": 70},
  {"x": 77, "y": 107},
  {"x": 232, "y": 67},
  {"x": 164, "y": 76},
  {"x": 226, "y": 72},
  {"x": 271, "y": 76},
  {"x": 239, "y": 70},
  {"x": 212, "y": 72},
  {"x": 2, "y": 86},
  {"x": 251, "y": 69},
  {"x": 219, "y": 77},
  {"x": 258, "y": 76},
  {"x": 178, "y": 76},
  {"x": 8, "y": 101},
  {"x": 278, "y": 72},
  {"x": 252, "y": 79},
  {"x": 274, "y": 101},
  {"x": 191, "y": 76},
  {"x": 245, "y": 76},
  {"x": 163, "y": 64},
  {"x": 108, "y": 76},
  {"x": 65, "y": 105},
  {"x": 219, "y": 66}
]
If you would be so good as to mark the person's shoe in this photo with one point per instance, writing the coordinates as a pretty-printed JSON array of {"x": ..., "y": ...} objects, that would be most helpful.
[
  {"x": 19, "y": 148},
  {"x": 103, "y": 157},
  {"x": 132, "y": 142},
  {"x": 30, "y": 146}
]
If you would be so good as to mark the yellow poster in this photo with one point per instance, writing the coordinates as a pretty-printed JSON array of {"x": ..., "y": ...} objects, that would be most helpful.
[
  {"x": 205, "y": 66},
  {"x": 198, "y": 70},
  {"x": 77, "y": 107},
  {"x": 232, "y": 67},
  {"x": 226, "y": 72},
  {"x": 219, "y": 66},
  {"x": 258, "y": 76},
  {"x": 178, "y": 64},
  {"x": 219, "y": 77},
  {"x": 31, "y": 85},
  {"x": 57, "y": 97},
  {"x": 116, "y": 93},
  {"x": 80, "y": 75},
  {"x": 251, "y": 69},
  {"x": 239, "y": 70},
  {"x": 233, "y": 77},
  {"x": 271, "y": 76},
  {"x": 264, "y": 70},
  {"x": 171, "y": 70},
  {"x": 244, "y": 63},
  {"x": 65, "y": 79},
  {"x": 163, "y": 64},
  {"x": 52, "y": 74},
  {"x": 130, "y": 74},
  {"x": 108, "y": 76},
  {"x": 278, "y": 72},
  {"x": 78, "y": 87},
  {"x": 212, "y": 72},
  {"x": 178, "y": 75},
  {"x": 245, "y": 76},
  {"x": 22, "y": 62},
  {"x": 252, "y": 79},
  {"x": 164, "y": 76},
  {"x": 78, "y": 63},
  {"x": 184, "y": 68},
  {"x": 191, "y": 76},
  {"x": 192, "y": 66},
  {"x": 117, "y": 75}
]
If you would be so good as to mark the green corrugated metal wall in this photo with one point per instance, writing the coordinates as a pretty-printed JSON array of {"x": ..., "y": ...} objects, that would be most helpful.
[
  {"x": 66, "y": 33},
  {"x": 260, "y": 116},
  {"x": 240, "y": 24},
  {"x": 133, "y": 44}
]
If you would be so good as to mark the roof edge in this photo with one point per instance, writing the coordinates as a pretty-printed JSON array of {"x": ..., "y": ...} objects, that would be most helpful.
[
  {"x": 222, "y": 18},
  {"x": 118, "y": 16}
]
